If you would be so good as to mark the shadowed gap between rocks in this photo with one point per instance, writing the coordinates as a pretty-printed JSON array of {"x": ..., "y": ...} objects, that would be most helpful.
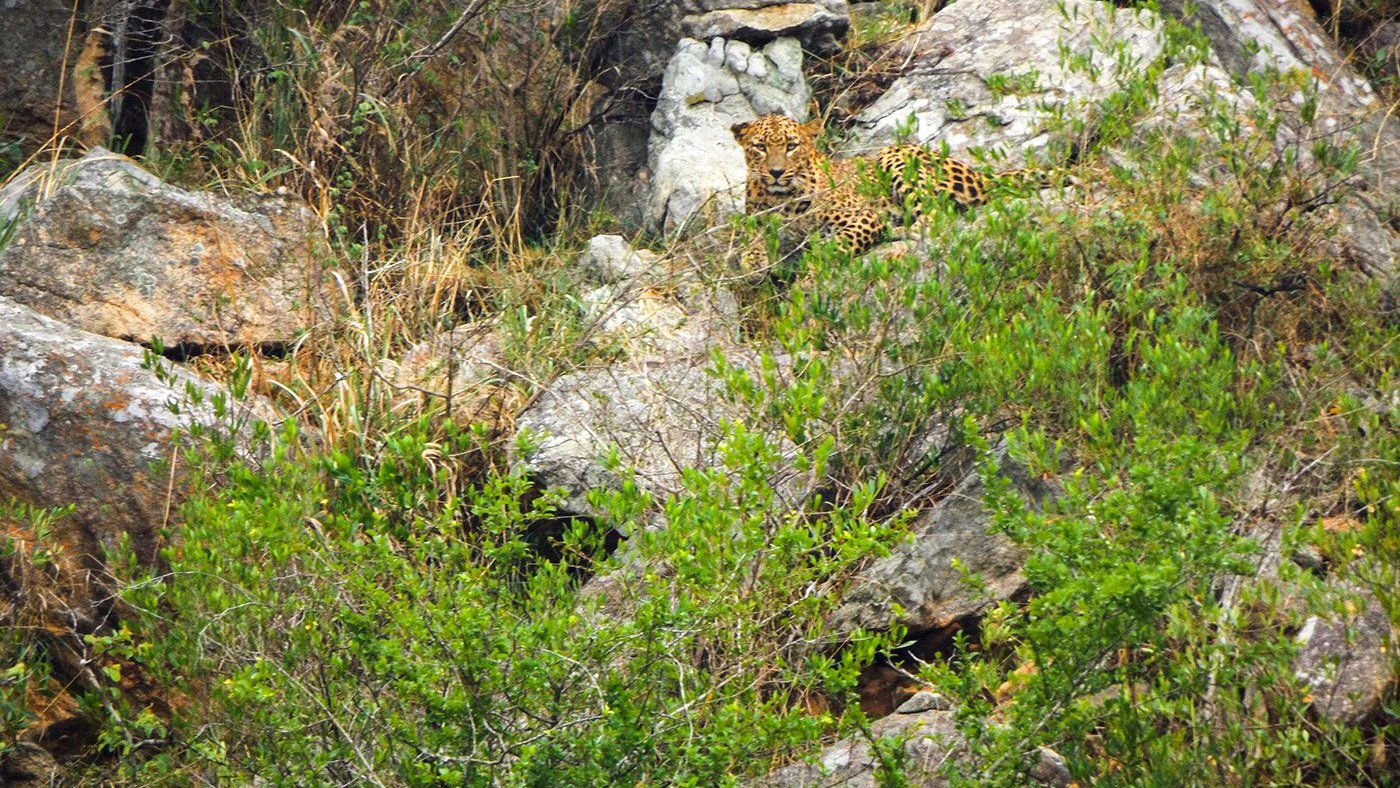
[{"x": 129, "y": 72}]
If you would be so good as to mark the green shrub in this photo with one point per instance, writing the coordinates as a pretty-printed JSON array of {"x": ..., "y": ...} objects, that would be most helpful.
[{"x": 368, "y": 612}]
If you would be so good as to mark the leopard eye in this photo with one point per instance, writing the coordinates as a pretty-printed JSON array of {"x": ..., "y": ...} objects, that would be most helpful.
[{"x": 792, "y": 145}]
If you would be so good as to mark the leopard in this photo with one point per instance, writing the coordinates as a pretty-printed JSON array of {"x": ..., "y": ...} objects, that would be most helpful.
[{"x": 813, "y": 193}]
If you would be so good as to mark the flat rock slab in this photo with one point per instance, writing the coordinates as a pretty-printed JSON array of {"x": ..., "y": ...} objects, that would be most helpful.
[
  {"x": 107, "y": 247},
  {"x": 819, "y": 26}
]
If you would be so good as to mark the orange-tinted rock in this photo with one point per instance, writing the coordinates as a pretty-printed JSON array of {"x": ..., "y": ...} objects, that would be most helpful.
[{"x": 107, "y": 247}]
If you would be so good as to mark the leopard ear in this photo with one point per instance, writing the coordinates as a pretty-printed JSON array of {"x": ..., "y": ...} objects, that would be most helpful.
[
  {"x": 738, "y": 129},
  {"x": 812, "y": 127}
]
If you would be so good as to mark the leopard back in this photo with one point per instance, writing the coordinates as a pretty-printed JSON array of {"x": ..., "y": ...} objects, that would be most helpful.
[
  {"x": 786, "y": 175},
  {"x": 911, "y": 167}
]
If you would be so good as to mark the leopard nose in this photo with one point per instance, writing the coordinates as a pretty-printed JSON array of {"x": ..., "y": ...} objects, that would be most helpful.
[{"x": 776, "y": 171}]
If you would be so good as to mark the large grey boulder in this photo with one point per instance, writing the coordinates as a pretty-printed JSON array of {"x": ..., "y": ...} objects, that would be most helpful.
[
  {"x": 922, "y": 576},
  {"x": 1349, "y": 661},
  {"x": 661, "y": 416},
  {"x": 980, "y": 73},
  {"x": 107, "y": 247},
  {"x": 83, "y": 422},
  {"x": 697, "y": 169}
]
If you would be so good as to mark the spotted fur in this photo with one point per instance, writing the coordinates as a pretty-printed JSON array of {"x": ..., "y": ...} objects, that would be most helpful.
[{"x": 786, "y": 175}]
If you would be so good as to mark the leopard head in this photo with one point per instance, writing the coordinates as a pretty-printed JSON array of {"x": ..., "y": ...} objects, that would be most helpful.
[{"x": 782, "y": 157}]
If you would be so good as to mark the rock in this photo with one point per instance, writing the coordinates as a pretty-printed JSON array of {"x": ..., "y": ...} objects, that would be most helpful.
[
  {"x": 924, "y": 700},
  {"x": 1183, "y": 92},
  {"x": 953, "y": 63},
  {"x": 1353, "y": 230},
  {"x": 930, "y": 740},
  {"x": 816, "y": 25},
  {"x": 1253, "y": 37},
  {"x": 1364, "y": 238},
  {"x": 27, "y": 765},
  {"x": 464, "y": 369},
  {"x": 646, "y": 323},
  {"x": 27, "y": 187},
  {"x": 1347, "y": 661},
  {"x": 920, "y": 576},
  {"x": 82, "y": 422},
  {"x": 932, "y": 747},
  {"x": 649, "y": 309},
  {"x": 663, "y": 416},
  {"x": 112, "y": 250},
  {"x": 641, "y": 41},
  {"x": 1308, "y": 557},
  {"x": 610, "y": 260},
  {"x": 1050, "y": 769},
  {"x": 697, "y": 170},
  {"x": 39, "y": 41}
]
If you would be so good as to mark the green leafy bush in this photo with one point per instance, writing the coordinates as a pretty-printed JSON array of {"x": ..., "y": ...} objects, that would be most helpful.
[{"x": 396, "y": 605}]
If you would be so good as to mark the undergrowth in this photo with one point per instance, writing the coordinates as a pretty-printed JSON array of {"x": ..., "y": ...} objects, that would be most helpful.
[{"x": 378, "y": 596}]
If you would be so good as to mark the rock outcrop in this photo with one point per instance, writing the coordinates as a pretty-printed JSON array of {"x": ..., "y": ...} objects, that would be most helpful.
[
  {"x": 921, "y": 576},
  {"x": 1253, "y": 37},
  {"x": 633, "y": 59},
  {"x": 697, "y": 170},
  {"x": 1349, "y": 661},
  {"x": 107, "y": 247},
  {"x": 981, "y": 73},
  {"x": 84, "y": 422}
]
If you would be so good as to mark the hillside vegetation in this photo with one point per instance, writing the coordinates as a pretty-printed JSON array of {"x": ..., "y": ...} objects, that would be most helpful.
[{"x": 373, "y": 589}]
